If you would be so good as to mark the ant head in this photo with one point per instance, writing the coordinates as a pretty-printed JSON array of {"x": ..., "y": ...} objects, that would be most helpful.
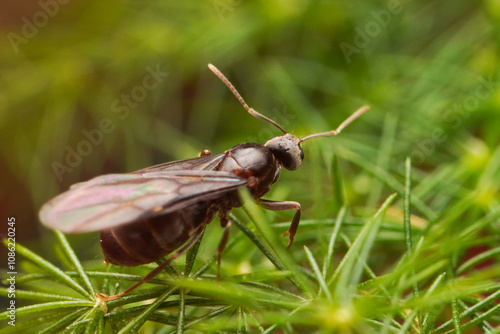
[{"x": 287, "y": 149}]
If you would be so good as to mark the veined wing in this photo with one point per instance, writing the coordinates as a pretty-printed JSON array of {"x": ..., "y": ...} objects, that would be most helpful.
[
  {"x": 111, "y": 200},
  {"x": 207, "y": 162}
]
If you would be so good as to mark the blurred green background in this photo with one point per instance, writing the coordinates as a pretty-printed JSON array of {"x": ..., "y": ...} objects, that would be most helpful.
[{"x": 125, "y": 85}]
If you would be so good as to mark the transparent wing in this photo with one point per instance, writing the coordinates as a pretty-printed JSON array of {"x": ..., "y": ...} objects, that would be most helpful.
[
  {"x": 208, "y": 162},
  {"x": 111, "y": 200}
]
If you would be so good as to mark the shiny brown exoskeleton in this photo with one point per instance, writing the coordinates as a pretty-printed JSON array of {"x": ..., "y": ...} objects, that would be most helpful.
[{"x": 147, "y": 214}]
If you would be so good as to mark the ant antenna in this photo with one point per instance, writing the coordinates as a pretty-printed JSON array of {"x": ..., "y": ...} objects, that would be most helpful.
[
  {"x": 238, "y": 96},
  {"x": 335, "y": 132}
]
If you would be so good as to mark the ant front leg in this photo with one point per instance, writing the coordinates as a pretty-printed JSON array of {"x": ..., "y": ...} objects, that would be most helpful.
[{"x": 285, "y": 205}]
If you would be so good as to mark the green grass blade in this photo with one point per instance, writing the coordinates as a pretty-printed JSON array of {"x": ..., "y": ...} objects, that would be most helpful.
[
  {"x": 274, "y": 243},
  {"x": 242, "y": 323},
  {"x": 349, "y": 270},
  {"x": 333, "y": 238},
  {"x": 255, "y": 322},
  {"x": 481, "y": 318},
  {"x": 49, "y": 267},
  {"x": 33, "y": 309},
  {"x": 273, "y": 248},
  {"x": 407, "y": 207},
  {"x": 477, "y": 259},
  {"x": 191, "y": 255},
  {"x": 272, "y": 328},
  {"x": 138, "y": 321},
  {"x": 407, "y": 221},
  {"x": 430, "y": 315},
  {"x": 56, "y": 327},
  {"x": 249, "y": 296},
  {"x": 39, "y": 296},
  {"x": 95, "y": 317},
  {"x": 181, "y": 316},
  {"x": 480, "y": 305},
  {"x": 76, "y": 263},
  {"x": 260, "y": 244},
  {"x": 455, "y": 316},
  {"x": 317, "y": 272},
  {"x": 408, "y": 322},
  {"x": 210, "y": 315}
]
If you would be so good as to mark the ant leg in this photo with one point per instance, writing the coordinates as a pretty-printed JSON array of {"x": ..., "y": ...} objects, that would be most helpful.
[
  {"x": 160, "y": 267},
  {"x": 285, "y": 205}
]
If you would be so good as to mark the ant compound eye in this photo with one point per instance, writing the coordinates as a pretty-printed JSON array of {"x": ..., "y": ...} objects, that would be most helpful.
[{"x": 301, "y": 154}]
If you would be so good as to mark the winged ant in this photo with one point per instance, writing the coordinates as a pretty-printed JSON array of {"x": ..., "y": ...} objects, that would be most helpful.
[{"x": 144, "y": 215}]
